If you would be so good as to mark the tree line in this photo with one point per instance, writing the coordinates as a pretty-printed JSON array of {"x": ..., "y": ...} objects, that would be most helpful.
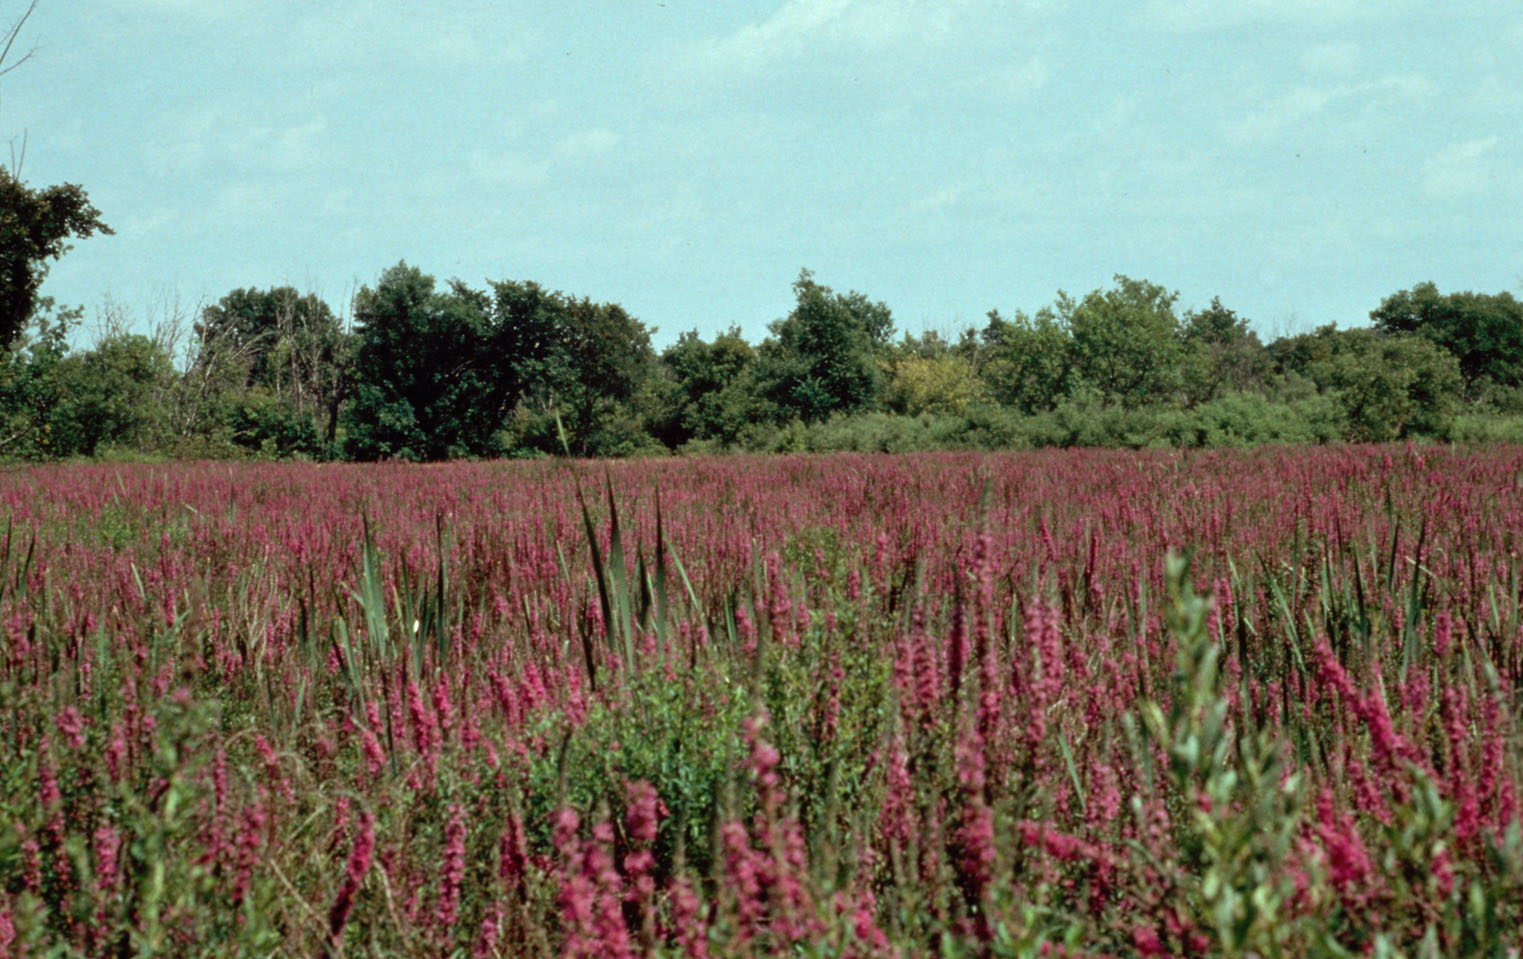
[{"x": 430, "y": 371}]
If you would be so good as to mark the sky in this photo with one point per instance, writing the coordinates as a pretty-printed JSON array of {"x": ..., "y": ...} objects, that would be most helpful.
[{"x": 1299, "y": 159}]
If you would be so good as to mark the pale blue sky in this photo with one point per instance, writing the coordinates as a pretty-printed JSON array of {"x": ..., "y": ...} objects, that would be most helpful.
[{"x": 1301, "y": 159}]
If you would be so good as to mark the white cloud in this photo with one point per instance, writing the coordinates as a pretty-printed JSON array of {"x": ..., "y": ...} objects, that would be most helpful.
[
  {"x": 1285, "y": 110},
  {"x": 1460, "y": 169},
  {"x": 204, "y": 139},
  {"x": 1187, "y": 15},
  {"x": 182, "y": 146},
  {"x": 178, "y": 157},
  {"x": 195, "y": 9},
  {"x": 296, "y": 147},
  {"x": 587, "y": 143},
  {"x": 1020, "y": 80},
  {"x": 940, "y": 200},
  {"x": 1305, "y": 101},
  {"x": 508, "y": 168},
  {"x": 245, "y": 201},
  {"x": 673, "y": 214},
  {"x": 800, "y": 26},
  {"x": 455, "y": 35},
  {"x": 1335, "y": 58},
  {"x": 1493, "y": 95},
  {"x": 144, "y": 224}
]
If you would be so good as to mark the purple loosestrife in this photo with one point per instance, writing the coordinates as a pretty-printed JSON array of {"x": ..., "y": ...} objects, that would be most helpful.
[
  {"x": 107, "y": 846},
  {"x": 590, "y": 897},
  {"x": 643, "y": 813},
  {"x": 252, "y": 547},
  {"x": 577, "y": 892},
  {"x": 31, "y": 862},
  {"x": 354, "y": 875},
  {"x": 272, "y": 770},
  {"x": 688, "y": 928},
  {"x": 742, "y": 881},
  {"x": 929, "y": 683},
  {"x": 1043, "y": 684},
  {"x": 975, "y": 831},
  {"x": 779, "y": 606},
  {"x": 1349, "y": 867},
  {"x": 251, "y": 829},
  {"x": 512, "y": 850},
  {"x": 1443, "y": 633},
  {"x": 746, "y": 630},
  {"x": 486, "y": 935},
  {"x": 896, "y": 817},
  {"x": 451, "y": 872},
  {"x": 611, "y": 933},
  {"x": 1493, "y": 737},
  {"x": 72, "y": 726},
  {"x": 443, "y": 708}
]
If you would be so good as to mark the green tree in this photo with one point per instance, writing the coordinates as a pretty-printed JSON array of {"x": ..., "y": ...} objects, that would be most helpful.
[
  {"x": 1483, "y": 331},
  {"x": 1125, "y": 342},
  {"x": 944, "y": 385},
  {"x": 1221, "y": 354},
  {"x": 112, "y": 395},
  {"x": 35, "y": 227},
  {"x": 1027, "y": 360},
  {"x": 1388, "y": 385},
  {"x": 275, "y": 360},
  {"x": 423, "y": 377},
  {"x": 574, "y": 360},
  {"x": 826, "y": 356},
  {"x": 713, "y": 394},
  {"x": 281, "y": 338},
  {"x": 29, "y": 382}
]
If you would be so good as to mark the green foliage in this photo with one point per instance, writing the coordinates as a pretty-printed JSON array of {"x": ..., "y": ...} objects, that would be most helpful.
[
  {"x": 272, "y": 427},
  {"x": 35, "y": 227},
  {"x": 875, "y": 433},
  {"x": 1125, "y": 342},
  {"x": 829, "y": 704},
  {"x": 283, "y": 346},
  {"x": 1027, "y": 360},
  {"x": 29, "y": 384},
  {"x": 1486, "y": 428},
  {"x": 1388, "y": 385},
  {"x": 714, "y": 393},
  {"x": 166, "y": 902},
  {"x": 572, "y": 360},
  {"x": 824, "y": 357},
  {"x": 678, "y": 730},
  {"x": 423, "y": 377},
  {"x": 519, "y": 370},
  {"x": 1220, "y": 353},
  {"x": 1484, "y": 332},
  {"x": 944, "y": 385},
  {"x": 1245, "y": 817},
  {"x": 109, "y": 396},
  {"x": 1252, "y": 419},
  {"x": 274, "y": 336}
]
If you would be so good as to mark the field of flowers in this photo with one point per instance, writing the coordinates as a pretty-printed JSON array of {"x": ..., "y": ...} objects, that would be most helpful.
[{"x": 1048, "y": 704}]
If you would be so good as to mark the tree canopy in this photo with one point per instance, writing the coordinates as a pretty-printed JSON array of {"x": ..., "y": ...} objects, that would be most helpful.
[
  {"x": 35, "y": 227},
  {"x": 1483, "y": 331},
  {"x": 463, "y": 372},
  {"x": 824, "y": 357}
]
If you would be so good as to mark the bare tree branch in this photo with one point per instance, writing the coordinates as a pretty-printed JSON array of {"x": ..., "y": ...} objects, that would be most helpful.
[{"x": 10, "y": 41}]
